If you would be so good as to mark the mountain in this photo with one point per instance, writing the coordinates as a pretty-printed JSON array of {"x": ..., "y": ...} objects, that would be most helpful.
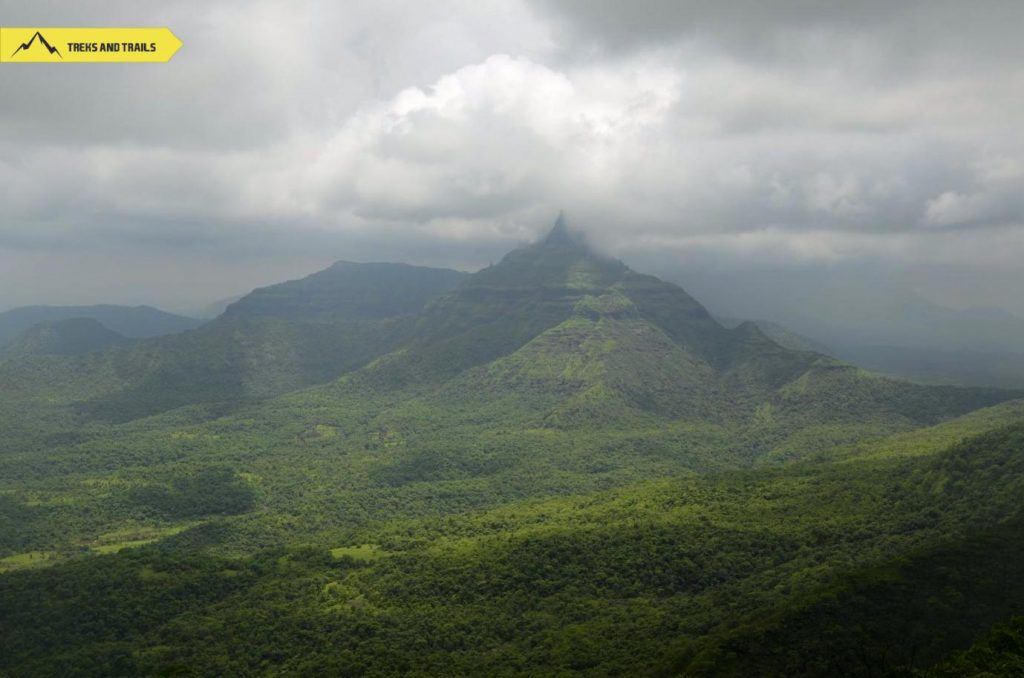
[
  {"x": 231, "y": 359},
  {"x": 554, "y": 332},
  {"x": 63, "y": 337},
  {"x": 934, "y": 366},
  {"x": 351, "y": 291},
  {"x": 129, "y": 321},
  {"x": 563, "y": 337},
  {"x": 556, "y": 466},
  {"x": 875, "y": 311},
  {"x": 913, "y": 363},
  {"x": 274, "y": 340},
  {"x": 536, "y": 288},
  {"x": 215, "y": 308},
  {"x": 783, "y": 336}
]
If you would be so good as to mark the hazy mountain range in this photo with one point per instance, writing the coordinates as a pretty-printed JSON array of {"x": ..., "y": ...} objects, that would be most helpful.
[
  {"x": 128, "y": 321},
  {"x": 874, "y": 324},
  {"x": 879, "y": 324},
  {"x": 554, "y": 465}
]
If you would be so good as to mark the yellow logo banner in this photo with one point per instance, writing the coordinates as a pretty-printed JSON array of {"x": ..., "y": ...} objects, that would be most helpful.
[{"x": 74, "y": 45}]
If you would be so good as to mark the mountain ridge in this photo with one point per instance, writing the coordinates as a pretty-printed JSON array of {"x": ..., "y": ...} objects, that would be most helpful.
[
  {"x": 389, "y": 328},
  {"x": 134, "y": 322},
  {"x": 557, "y": 466},
  {"x": 349, "y": 290},
  {"x": 570, "y": 338},
  {"x": 70, "y": 336}
]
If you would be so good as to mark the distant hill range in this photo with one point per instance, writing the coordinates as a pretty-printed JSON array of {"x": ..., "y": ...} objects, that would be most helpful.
[
  {"x": 842, "y": 307},
  {"x": 72, "y": 336},
  {"x": 128, "y": 321},
  {"x": 915, "y": 363},
  {"x": 782, "y": 335},
  {"x": 349, "y": 291},
  {"x": 555, "y": 332},
  {"x": 935, "y": 366},
  {"x": 273, "y": 340}
]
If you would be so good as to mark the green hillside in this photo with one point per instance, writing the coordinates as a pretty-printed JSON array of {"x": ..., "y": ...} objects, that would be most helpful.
[
  {"x": 228, "y": 360},
  {"x": 350, "y": 291},
  {"x": 274, "y": 340},
  {"x": 690, "y": 574},
  {"x": 129, "y": 321},
  {"x": 557, "y": 466},
  {"x": 73, "y": 336},
  {"x": 999, "y": 654},
  {"x": 783, "y": 336}
]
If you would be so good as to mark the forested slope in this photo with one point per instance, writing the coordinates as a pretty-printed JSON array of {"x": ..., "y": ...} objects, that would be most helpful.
[
  {"x": 557, "y": 466},
  {"x": 733, "y": 573}
]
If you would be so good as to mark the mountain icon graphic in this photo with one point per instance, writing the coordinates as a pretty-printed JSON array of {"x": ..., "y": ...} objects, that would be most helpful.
[{"x": 50, "y": 48}]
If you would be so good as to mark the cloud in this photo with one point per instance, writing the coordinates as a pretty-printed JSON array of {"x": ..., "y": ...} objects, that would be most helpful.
[
  {"x": 646, "y": 145},
  {"x": 493, "y": 139},
  {"x": 994, "y": 197},
  {"x": 876, "y": 38},
  {"x": 787, "y": 132}
]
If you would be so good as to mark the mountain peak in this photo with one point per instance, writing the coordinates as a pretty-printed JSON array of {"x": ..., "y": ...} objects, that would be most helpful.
[{"x": 561, "y": 235}]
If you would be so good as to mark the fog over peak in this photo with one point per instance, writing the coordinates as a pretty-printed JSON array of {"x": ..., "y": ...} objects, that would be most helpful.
[{"x": 692, "y": 138}]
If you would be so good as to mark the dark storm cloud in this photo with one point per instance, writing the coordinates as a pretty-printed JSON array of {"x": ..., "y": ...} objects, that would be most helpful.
[
  {"x": 881, "y": 35},
  {"x": 872, "y": 135}
]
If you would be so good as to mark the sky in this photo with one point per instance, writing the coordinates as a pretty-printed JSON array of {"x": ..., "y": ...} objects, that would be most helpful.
[{"x": 719, "y": 144}]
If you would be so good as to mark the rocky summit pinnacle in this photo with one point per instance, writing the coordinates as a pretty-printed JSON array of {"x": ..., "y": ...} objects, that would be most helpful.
[{"x": 560, "y": 235}]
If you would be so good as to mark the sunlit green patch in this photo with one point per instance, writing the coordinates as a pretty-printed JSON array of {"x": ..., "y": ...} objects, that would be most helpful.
[
  {"x": 28, "y": 560},
  {"x": 38, "y": 499},
  {"x": 112, "y": 542},
  {"x": 364, "y": 553},
  {"x": 106, "y": 481},
  {"x": 326, "y": 431}
]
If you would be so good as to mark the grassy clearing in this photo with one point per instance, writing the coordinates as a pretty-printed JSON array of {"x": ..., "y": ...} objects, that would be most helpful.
[
  {"x": 366, "y": 553},
  {"x": 28, "y": 560},
  {"x": 112, "y": 542},
  {"x": 326, "y": 431}
]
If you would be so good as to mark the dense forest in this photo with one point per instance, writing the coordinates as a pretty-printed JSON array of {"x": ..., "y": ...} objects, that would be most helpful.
[{"x": 553, "y": 466}]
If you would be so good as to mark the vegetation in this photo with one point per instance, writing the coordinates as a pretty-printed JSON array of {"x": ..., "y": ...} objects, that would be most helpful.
[
  {"x": 559, "y": 466},
  {"x": 1001, "y": 654},
  {"x": 351, "y": 291},
  {"x": 63, "y": 337},
  {"x": 128, "y": 321}
]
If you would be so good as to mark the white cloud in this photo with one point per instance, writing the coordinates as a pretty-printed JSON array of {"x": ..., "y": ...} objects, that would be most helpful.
[
  {"x": 993, "y": 198},
  {"x": 493, "y": 138}
]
